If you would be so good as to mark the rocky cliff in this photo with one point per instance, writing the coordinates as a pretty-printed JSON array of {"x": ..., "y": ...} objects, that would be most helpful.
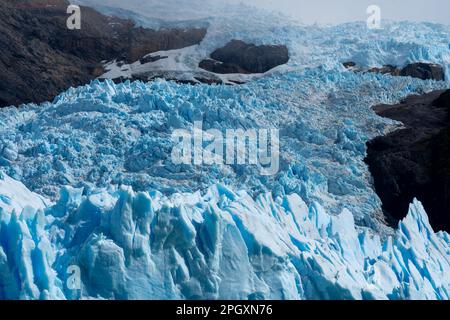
[{"x": 413, "y": 161}]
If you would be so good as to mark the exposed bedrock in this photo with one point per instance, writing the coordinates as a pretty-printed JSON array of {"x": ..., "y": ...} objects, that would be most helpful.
[
  {"x": 240, "y": 57},
  {"x": 424, "y": 71},
  {"x": 41, "y": 57},
  {"x": 414, "y": 162},
  {"x": 420, "y": 70}
]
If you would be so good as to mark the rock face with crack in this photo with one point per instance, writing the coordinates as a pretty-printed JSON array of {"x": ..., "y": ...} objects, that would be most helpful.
[
  {"x": 240, "y": 57},
  {"x": 41, "y": 57},
  {"x": 413, "y": 162}
]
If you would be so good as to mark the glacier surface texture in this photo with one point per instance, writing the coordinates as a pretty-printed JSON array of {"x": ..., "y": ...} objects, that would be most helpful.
[
  {"x": 227, "y": 245},
  {"x": 87, "y": 183}
]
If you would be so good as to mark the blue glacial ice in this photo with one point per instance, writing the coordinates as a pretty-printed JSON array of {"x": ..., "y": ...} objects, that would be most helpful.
[
  {"x": 87, "y": 181},
  {"x": 104, "y": 134},
  {"x": 223, "y": 244}
]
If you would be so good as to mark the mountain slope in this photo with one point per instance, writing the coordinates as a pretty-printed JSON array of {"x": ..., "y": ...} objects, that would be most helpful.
[
  {"x": 40, "y": 57},
  {"x": 413, "y": 161}
]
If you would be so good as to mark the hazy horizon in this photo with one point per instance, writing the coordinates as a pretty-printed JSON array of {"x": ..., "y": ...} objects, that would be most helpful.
[
  {"x": 305, "y": 11},
  {"x": 341, "y": 11}
]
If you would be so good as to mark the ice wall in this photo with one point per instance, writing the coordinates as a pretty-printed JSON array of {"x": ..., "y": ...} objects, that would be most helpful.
[{"x": 222, "y": 245}]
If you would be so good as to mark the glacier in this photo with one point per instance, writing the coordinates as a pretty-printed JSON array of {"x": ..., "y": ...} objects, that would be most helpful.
[
  {"x": 220, "y": 245},
  {"x": 106, "y": 134},
  {"x": 396, "y": 43},
  {"x": 314, "y": 231},
  {"x": 86, "y": 180}
]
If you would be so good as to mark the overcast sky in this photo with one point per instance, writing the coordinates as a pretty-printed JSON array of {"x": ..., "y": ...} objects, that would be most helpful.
[{"x": 338, "y": 11}]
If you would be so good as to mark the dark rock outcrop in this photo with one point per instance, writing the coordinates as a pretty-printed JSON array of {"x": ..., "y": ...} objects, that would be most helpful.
[
  {"x": 150, "y": 58},
  {"x": 349, "y": 64},
  {"x": 386, "y": 69},
  {"x": 220, "y": 67},
  {"x": 420, "y": 70},
  {"x": 240, "y": 57},
  {"x": 414, "y": 162},
  {"x": 424, "y": 71},
  {"x": 443, "y": 102},
  {"x": 41, "y": 57}
]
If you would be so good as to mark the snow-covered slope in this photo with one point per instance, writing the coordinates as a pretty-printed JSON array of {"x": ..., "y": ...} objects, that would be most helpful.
[
  {"x": 398, "y": 43},
  {"x": 309, "y": 46},
  {"x": 180, "y": 65}
]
